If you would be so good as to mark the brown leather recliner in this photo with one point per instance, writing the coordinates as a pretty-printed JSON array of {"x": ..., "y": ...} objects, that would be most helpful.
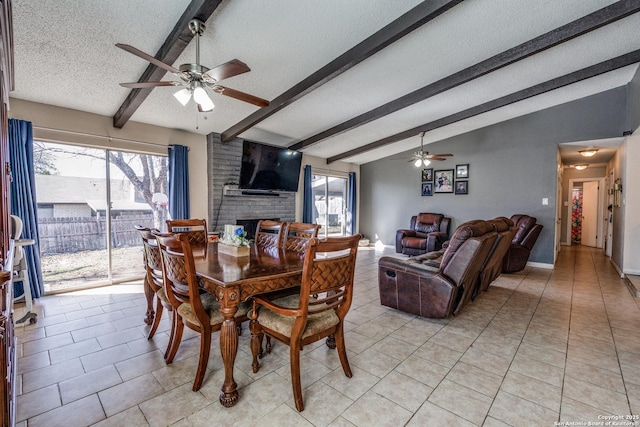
[
  {"x": 427, "y": 232},
  {"x": 414, "y": 286},
  {"x": 493, "y": 266},
  {"x": 527, "y": 232}
]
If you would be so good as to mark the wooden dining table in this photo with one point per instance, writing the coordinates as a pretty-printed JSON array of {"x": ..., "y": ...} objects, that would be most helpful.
[{"x": 235, "y": 279}]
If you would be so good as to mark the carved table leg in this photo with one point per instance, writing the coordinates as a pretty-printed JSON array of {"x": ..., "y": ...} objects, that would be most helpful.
[
  {"x": 149, "y": 294},
  {"x": 228, "y": 299}
]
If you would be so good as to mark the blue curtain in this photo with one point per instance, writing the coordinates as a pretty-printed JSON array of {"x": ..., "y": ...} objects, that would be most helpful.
[
  {"x": 307, "y": 201},
  {"x": 23, "y": 199},
  {"x": 179, "y": 182},
  {"x": 352, "y": 203}
]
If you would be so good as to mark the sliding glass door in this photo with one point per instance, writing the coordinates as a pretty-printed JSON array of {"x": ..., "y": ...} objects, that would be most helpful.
[
  {"x": 330, "y": 204},
  {"x": 89, "y": 201}
]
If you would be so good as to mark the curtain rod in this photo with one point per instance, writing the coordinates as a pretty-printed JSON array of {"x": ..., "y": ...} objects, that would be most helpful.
[{"x": 110, "y": 138}]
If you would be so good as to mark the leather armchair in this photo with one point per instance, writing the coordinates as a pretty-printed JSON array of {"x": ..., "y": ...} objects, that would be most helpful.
[
  {"x": 527, "y": 232},
  {"x": 417, "y": 286},
  {"x": 493, "y": 265},
  {"x": 427, "y": 232}
]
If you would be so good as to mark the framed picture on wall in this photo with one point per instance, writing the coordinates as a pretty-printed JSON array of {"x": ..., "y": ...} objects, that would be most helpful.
[
  {"x": 462, "y": 171},
  {"x": 427, "y": 175},
  {"x": 462, "y": 187},
  {"x": 443, "y": 181},
  {"x": 427, "y": 189}
]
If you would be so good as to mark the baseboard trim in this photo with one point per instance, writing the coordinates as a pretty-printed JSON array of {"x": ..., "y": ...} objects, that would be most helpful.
[
  {"x": 634, "y": 272},
  {"x": 540, "y": 265},
  {"x": 618, "y": 269}
]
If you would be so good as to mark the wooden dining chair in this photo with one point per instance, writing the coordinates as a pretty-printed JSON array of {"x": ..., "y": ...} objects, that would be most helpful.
[
  {"x": 200, "y": 311},
  {"x": 316, "y": 312},
  {"x": 269, "y": 233},
  {"x": 153, "y": 275},
  {"x": 298, "y": 234},
  {"x": 195, "y": 229}
]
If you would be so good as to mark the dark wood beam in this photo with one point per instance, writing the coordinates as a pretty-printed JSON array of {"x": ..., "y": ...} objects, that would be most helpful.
[
  {"x": 169, "y": 52},
  {"x": 549, "y": 85},
  {"x": 416, "y": 17},
  {"x": 593, "y": 21}
]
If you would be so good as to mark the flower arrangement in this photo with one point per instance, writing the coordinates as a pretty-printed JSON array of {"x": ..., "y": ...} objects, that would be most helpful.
[{"x": 234, "y": 235}]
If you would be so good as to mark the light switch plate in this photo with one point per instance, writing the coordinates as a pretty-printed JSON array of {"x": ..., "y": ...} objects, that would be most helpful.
[{"x": 545, "y": 201}]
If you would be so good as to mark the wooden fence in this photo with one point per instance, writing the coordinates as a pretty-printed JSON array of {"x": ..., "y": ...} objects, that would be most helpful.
[{"x": 75, "y": 234}]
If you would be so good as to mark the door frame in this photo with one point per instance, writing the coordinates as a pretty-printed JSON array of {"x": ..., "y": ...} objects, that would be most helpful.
[{"x": 600, "y": 211}]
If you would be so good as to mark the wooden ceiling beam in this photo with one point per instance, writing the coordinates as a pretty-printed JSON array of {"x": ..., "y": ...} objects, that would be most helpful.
[
  {"x": 549, "y": 85},
  {"x": 175, "y": 43},
  {"x": 581, "y": 26},
  {"x": 416, "y": 17}
]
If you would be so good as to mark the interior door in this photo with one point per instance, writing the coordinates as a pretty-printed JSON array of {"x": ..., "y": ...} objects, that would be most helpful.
[{"x": 589, "y": 213}]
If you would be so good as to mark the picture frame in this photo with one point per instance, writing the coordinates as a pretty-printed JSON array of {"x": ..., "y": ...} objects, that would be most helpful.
[
  {"x": 462, "y": 171},
  {"x": 427, "y": 175},
  {"x": 427, "y": 189},
  {"x": 462, "y": 187},
  {"x": 443, "y": 181}
]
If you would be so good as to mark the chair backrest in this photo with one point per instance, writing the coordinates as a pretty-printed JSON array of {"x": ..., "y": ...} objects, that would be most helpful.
[
  {"x": 16, "y": 232},
  {"x": 152, "y": 259},
  {"x": 195, "y": 229},
  {"x": 493, "y": 265},
  {"x": 524, "y": 224},
  {"x": 181, "y": 282},
  {"x": 327, "y": 276},
  {"x": 468, "y": 249},
  {"x": 298, "y": 234},
  {"x": 426, "y": 222},
  {"x": 269, "y": 233}
]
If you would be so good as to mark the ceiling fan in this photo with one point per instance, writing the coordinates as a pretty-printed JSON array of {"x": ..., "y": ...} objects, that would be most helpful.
[
  {"x": 196, "y": 78},
  {"x": 423, "y": 157}
]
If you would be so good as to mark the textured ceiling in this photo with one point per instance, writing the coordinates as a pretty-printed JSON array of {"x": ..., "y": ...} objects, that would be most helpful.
[{"x": 65, "y": 55}]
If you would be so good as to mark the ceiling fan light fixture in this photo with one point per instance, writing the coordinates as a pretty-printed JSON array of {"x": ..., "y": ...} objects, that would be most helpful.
[
  {"x": 581, "y": 167},
  {"x": 588, "y": 152},
  {"x": 202, "y": 98},
  {"x": 183, "y": 96},
  {"x": 426, "y": 162},
  {"x": 418, "y": 163}
]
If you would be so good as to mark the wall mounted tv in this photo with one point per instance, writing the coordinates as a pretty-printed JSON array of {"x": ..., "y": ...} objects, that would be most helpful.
[{"x": 265, "y": 167}]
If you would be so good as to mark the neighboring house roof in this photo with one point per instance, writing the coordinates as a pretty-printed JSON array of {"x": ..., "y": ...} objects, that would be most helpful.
[{"x": 56, "y": 189}]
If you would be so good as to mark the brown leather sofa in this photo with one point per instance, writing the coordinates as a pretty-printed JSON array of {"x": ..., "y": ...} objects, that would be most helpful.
[
  {"x": 493, "y": 266},
  {"x": 527, "y": 232},
  {"x": 427, "y": 232},
  {"x": 437, "y": 288}
]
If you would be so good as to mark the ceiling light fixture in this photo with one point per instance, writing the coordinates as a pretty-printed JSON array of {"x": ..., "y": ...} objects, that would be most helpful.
[
  {"x": 588, "y": 152},
  {"x": 200, "y": 96},
  {"x": 421, "y": 156},
  {"x": 581, "y": 167}
]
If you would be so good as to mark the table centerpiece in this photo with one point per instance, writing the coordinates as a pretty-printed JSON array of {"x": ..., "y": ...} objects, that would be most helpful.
[{"x": 234, "y": 241}]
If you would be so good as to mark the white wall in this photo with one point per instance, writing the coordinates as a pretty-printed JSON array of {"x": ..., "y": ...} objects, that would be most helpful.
[
  {"x": 631, "y": 204},
  {"x": 57, "y": 124}
]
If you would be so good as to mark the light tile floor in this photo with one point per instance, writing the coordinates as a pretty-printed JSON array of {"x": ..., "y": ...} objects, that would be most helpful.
[{"x": 539, "y": 347}]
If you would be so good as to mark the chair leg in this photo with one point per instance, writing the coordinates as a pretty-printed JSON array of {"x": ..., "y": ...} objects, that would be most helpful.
[
  {"x": 342, "y": 351},
  {"x": 177, "y": 338},
  {"x": 156, "y": 319},
  {"x": 205, "y": 347},
  {"x": 294, "y": 359},
  {"x": 171, "y": 334},
  {"x": 256, "y": 344},
  {"x": 268, "y": 344}
]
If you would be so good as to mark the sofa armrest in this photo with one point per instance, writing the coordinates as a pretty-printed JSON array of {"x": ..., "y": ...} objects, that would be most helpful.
[
  {"x": 401, "y": 234},
  {"x": 435, "y": 240}
]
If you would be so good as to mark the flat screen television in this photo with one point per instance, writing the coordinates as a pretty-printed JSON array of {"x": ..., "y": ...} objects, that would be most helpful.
[{"x": 269, "y": 168}]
